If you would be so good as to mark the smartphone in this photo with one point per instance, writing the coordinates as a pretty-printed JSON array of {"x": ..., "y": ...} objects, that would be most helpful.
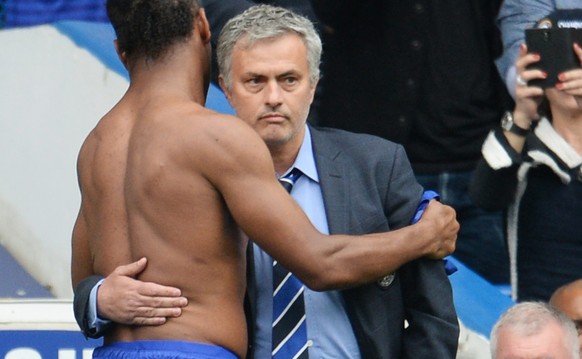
[{"x": 554, "y": 45}]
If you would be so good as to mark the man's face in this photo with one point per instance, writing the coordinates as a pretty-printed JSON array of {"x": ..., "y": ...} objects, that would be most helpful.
[
  {"x": 270, "y": 88},
  {"x": 550, "y": 343}
]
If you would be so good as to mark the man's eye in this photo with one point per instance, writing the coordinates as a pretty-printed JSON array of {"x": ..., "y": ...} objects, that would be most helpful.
[
  {"x": 253, "y": 82},
  {"x": 289, "y": 82}
]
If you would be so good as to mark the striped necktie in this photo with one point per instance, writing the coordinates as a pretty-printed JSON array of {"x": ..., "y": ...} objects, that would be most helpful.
[{"x": 289, "y": 326}]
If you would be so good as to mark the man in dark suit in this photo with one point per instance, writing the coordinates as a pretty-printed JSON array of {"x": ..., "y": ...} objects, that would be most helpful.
[
  {"x": 419, "y": 73},
  {"x": 349, "y": 183}
]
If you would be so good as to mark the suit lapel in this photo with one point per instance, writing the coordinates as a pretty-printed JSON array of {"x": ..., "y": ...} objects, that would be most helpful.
[{"x": 334, "y": 184}]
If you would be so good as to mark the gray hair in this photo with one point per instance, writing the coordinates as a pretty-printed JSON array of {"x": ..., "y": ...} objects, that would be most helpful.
[
  {"x": 530, "y": 318},
  {"x": 267, "y": 22}
]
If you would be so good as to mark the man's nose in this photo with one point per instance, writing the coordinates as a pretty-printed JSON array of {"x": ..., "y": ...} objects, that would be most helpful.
[{"x": 274, "y": 94}]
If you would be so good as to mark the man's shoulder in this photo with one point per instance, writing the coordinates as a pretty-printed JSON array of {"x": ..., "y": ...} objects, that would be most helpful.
[
  {"x": 335, "y": 134},
  {"x": 354, "y": 144},
  {"x": 218, "y": 129},
  {"x": 220, "y": 137}
]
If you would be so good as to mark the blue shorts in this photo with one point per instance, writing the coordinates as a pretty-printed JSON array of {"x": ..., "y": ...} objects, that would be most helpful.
[{"x": 161, "y": 349}]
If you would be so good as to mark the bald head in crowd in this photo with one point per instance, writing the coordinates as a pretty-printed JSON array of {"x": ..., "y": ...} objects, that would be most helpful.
[{"x": 534, "y": 330}]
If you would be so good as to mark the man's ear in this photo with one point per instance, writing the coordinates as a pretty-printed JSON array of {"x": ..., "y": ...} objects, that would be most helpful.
[
  {"x": 201, "y": 22},
  {"x": 313, "y": 88},
  {"x": 121, "y": 55},
  {"x": 224, "y": 88}
]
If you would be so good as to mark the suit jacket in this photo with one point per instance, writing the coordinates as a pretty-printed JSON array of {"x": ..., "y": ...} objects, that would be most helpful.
[{"x": 368, "y": 186}]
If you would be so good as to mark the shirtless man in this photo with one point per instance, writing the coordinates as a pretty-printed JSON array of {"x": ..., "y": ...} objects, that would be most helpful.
[{"x": 163, "y": 177}]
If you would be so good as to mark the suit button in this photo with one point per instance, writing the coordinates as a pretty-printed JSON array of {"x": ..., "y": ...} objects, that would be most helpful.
[{"x": 386, "y": 281}]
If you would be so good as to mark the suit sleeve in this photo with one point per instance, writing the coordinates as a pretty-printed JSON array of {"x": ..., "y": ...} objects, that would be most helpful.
[
  {"x": 433, "y": 328},
  {"x": 81, "y": 305},
  {"x": 403, "y": 193}
]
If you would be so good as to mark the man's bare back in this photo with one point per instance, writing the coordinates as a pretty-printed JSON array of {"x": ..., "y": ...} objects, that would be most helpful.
[{"x": 145, "y": 194}]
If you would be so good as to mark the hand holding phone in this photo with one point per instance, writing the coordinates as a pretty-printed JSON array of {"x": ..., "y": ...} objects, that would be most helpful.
[{"x": 555, "y": 47}]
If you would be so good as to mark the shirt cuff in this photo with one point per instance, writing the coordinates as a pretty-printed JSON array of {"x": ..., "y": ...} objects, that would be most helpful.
[{"x": 95, "y": 322}]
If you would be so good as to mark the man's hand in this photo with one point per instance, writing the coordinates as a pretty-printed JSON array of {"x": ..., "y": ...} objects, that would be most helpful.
[
  {"x": 445, "y": 228},
  {"x": 126, "y": 300}
]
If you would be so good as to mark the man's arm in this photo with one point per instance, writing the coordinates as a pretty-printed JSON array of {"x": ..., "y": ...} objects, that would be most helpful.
[
  {"x": 242, "y": 171},
  {"x": 127, "y": 300},
  {"x": 81, "y": 262},
  {"x": 82, "y": 305}
]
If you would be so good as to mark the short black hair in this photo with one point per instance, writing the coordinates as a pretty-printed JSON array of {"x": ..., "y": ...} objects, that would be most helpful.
[{"x": 150, "y": 27}]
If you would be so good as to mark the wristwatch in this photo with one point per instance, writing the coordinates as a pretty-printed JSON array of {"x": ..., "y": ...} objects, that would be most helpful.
[{"x": 508, "y": 125}]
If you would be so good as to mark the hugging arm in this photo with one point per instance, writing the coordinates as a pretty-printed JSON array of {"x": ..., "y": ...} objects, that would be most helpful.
[
  {"x": 122, "y": 299},
  {"x": 81, "y": 306}
]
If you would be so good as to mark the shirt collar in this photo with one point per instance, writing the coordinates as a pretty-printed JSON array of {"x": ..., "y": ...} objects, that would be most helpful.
[
  {"x": 305, "y": 160},
  {"x": 557, "y": 144}
]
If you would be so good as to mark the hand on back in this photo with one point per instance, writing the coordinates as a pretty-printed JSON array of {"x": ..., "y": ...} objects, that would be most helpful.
[{"x": 123, "y": 299}]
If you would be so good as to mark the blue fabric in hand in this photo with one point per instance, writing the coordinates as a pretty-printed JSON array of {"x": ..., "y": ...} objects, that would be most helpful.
[{"x": 427, "y": 196}]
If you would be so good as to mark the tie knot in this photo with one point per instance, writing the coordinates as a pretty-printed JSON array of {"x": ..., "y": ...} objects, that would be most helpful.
[{"x": 288, "y": 180}]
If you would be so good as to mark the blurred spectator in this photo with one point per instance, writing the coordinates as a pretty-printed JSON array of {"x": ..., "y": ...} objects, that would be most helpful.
[
  {"x": 534, "y": 330},
  {"x": 514, "y": 17},
  {"x": 421, "y": 73},
  {"x": 568, "y": 298},
  {"x": 538, "y": 175}
]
